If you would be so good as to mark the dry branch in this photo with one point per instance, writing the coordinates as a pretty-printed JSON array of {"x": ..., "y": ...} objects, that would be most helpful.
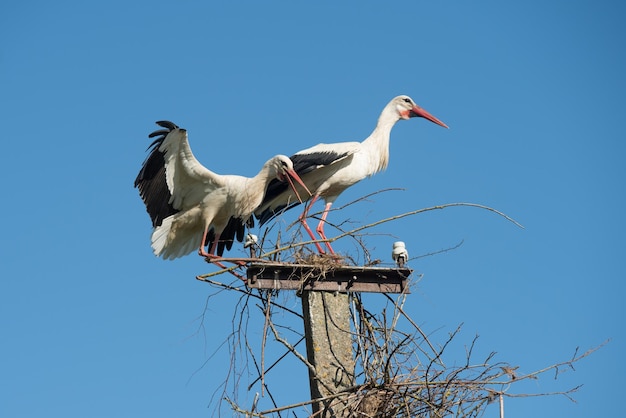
[{"x": 401, "y": 370}]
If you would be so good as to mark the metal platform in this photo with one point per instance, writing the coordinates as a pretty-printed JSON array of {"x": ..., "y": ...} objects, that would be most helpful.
[{"x": 335, "y": 278}]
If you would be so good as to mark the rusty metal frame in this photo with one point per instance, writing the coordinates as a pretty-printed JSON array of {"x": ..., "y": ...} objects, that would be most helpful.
[{"x": 337, "y": 278}]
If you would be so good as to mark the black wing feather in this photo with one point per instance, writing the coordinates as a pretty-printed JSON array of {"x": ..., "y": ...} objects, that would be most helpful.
[
  {"x": 151, "y": 180},
  {"x": 305, "y": 163},
  {"x": 302, "y": 164},
  {"x": 235, "y": 229}
]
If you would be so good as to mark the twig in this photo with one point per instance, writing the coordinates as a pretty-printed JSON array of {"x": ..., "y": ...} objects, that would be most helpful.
[
  {"x": 556, "y": 366},
  {"x": 285, "y": 354},
  {"x": 246, "y": 292},
  {"x": 393, "y": 218},
  {"x": 418, "y": 329}
]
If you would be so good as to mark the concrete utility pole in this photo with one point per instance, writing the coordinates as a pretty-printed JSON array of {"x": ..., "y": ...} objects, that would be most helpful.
[
  {"x": 329, "y": 350},
  {"x": 326, "y": 312}
]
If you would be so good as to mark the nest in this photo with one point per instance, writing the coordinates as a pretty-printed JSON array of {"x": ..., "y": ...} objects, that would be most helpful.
[{"x": 399, "y": 371}]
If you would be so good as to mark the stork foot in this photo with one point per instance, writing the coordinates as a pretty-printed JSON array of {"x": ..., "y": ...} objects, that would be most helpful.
[{"x": 212, "y": 258}]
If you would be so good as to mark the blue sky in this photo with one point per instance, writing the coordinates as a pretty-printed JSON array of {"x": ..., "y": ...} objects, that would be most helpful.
[{"x": 94, "y": 325}]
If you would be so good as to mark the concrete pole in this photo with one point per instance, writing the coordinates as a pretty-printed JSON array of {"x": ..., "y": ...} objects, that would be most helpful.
[{"x": 329, "y": 349}]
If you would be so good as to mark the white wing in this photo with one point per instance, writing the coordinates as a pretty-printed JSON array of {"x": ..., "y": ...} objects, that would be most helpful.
[{"x": 188, "y": 180}]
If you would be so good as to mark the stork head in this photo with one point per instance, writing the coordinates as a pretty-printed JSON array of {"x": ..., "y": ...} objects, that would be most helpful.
[
  {"x": 282, "y": 166},
  {"x": 407, "y": 109}
]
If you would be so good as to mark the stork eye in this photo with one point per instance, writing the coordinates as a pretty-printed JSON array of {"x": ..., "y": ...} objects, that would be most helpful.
[{"x": 407, "y": 100}]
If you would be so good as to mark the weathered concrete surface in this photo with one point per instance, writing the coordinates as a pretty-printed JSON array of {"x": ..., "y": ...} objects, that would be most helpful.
[{"x": 329, "y": 349}]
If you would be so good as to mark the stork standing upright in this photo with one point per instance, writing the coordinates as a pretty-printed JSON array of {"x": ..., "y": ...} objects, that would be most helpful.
[
  {"x": 193, "y": 207},
  {"x": 329, "y": 169}
]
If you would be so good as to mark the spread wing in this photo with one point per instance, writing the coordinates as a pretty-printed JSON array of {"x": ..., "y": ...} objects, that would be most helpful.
[
  {"x": 187, "y": 180},
  {"x": 172, "y": 180}
]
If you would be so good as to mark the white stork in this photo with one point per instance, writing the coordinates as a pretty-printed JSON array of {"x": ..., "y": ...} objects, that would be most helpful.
[
  {"x": 193, "y": 207},
  {"x": 329, "y": 169}
]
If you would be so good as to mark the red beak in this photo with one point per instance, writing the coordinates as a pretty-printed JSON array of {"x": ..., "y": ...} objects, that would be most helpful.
[
  {"x": 418, "y": 111},
  {"x": 292, "y": 173}
]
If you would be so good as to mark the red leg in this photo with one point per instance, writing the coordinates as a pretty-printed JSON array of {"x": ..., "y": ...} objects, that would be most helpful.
[
  {"x": 201, "y": 250},
  {"x": 320, "y": 227},
  {"x": 214, "y": 246},
  {"x": 306, "y": 226},
  {"x": 211, "y": 255},
  {"x": 220, "y": 265}
]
